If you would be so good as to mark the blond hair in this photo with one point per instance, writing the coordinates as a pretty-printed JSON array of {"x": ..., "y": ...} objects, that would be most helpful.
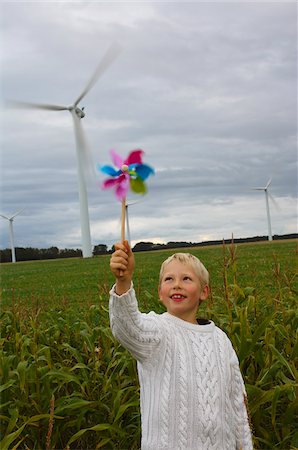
[{"x": 187, "y": 259}]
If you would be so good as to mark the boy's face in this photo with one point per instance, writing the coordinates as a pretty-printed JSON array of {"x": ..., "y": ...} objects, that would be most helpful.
[{"x": 180, "y": 291}]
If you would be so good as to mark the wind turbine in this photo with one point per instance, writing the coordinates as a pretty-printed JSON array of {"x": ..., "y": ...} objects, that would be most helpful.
[
  {"x": 127, "y": 219},
  {"x": 10, "y": 221},
  {"x": 82, "y": 153},
  {"x": 267, "y": 195}
]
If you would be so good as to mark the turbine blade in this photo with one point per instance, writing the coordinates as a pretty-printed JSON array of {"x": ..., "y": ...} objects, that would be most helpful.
[
  {"x": 28, "y": 105},
  {"x": 258, "y": 189},
  {"x": 17, "y": 213},
  {"x": 4, "y": 217},
  {"x": 84, "y": 153},
  {"x": 272, "y": 199},
  {"x": 106, "y": 61},
  {"x": 268, "y": 183},
  {"x": 133, "y": 202}
]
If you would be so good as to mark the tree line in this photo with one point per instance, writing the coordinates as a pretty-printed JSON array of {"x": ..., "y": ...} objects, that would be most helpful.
[{"x": 31, "y": 254}]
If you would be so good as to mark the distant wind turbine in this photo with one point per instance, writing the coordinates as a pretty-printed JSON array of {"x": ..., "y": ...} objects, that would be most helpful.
[
  {"x": 267, "y": 195},
  {"x": 82, "y": 153},
  {"x": 10, "y": 221},
  {"x": 127, "y": 219}
]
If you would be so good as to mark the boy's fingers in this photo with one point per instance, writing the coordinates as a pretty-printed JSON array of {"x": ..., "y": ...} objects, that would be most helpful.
[
  {"x": 119, "y": 255},
  {"x": 119, "y": 268},
  {"x": 122, "y": 246},
  {"x": 127, "y": 247}
]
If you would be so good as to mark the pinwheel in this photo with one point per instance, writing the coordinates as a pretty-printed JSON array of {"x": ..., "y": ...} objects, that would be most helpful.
[{"x": 130, "y": 174}]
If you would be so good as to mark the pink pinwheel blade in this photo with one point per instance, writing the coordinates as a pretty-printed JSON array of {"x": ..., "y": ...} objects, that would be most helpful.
[
  {"x": 135, "y": 157},
  {"x": 110, "y": 182},
  {"x": 122, "y": 189},
  {"x": 117, "y": 160}
]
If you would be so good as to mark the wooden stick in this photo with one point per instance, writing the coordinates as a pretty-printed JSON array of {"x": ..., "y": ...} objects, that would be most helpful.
[{"x": 123, "y": 210}]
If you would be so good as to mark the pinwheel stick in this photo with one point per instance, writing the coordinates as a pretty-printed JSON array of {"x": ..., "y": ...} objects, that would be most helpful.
[{"x": 123, "y": 210}]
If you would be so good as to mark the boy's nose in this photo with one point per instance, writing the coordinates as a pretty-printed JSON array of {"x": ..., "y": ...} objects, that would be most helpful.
[{"x": 177, "y": 283}]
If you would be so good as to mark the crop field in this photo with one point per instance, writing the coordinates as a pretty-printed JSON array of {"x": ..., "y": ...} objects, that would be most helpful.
[{"x": 67, "y": 384}]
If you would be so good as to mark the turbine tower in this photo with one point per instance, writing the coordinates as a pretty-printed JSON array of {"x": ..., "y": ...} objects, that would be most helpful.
[
  {"x": 267, "y": 194},
  {"x": 82, "y": 152},
  {"x": 127, "y": 219},
  {"x": 10, "y": 221}
]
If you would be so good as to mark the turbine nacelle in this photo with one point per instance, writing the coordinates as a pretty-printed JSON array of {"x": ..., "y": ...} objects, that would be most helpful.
[{"x": 79, "y": 111}]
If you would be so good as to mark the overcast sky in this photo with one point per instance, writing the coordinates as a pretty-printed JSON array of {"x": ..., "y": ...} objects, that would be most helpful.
[{"x": 207, "y": 90}]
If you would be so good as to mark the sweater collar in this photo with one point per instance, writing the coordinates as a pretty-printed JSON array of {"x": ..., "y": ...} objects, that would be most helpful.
[{"x": 209, "y": 328}]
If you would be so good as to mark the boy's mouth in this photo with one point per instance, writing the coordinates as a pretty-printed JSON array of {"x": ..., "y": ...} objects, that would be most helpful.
[{"x": 177, "y": 297}]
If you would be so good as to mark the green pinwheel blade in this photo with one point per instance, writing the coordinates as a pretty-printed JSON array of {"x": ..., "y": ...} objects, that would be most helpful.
[{"x": 138, "y": 186}]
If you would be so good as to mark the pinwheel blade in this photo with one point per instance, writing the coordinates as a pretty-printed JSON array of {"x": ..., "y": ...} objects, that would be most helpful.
[
  {"x": 135, "y": 157},
  {"x": 28, "y": 105},
  {"x": 111, "y": 182},
  {"x": 109, "y": 170},
  {"x": 144, "y": 171},
  {"x": 138, "y": 186},
  {"x": 107, "y": 60},
  {"x": 116, "y": 159},
  {"x": 121, "y": 190}
]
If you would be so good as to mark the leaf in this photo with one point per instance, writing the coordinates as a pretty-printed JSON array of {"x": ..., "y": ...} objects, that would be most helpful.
[
  {"x": 99, "y": 427},
  {"x": 283, "y": 361},
  {"x": 72, "y": 404},
  {"x": 275, "y": 398},
  {"x": 79, "y": 366},
  {"x": 245, "y": 335},
  {"x": 102, "y": 443},
  {"x": 64, "y": 376},
  {"x": 7, "y": 385},
  {"x": 259, "y": 331},
  {"x": 5, "y": 443},
  {"x": 124, "y": 407},
  {"x": 21, "y": 372},
  {"x": 259, "y": 397}
]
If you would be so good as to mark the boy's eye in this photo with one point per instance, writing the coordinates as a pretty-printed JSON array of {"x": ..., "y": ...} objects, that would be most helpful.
[{"x": 168, "y": 278}]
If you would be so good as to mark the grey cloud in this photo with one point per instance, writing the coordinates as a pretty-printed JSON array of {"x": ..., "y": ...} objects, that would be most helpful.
[{"x": 208, "y": 90}]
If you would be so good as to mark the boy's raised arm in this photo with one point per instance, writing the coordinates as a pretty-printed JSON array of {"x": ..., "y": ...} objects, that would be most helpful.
[{"x": 122, "y": 265}]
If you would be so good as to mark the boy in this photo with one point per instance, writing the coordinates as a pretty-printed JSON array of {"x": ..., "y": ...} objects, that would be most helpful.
[{"x": 192, "y": 392}]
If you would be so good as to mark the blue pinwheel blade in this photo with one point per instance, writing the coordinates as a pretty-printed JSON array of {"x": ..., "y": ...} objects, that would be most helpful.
[
  {"x": 109, "y": 170},
  {"x": 143, "y": 171}
]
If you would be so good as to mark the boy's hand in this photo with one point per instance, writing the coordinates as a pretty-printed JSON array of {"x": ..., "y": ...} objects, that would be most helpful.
[{"x": 122, "y": 265}]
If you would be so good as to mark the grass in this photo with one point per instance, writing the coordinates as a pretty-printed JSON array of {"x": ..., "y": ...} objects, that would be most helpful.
[{"x": 65, "y": 381}]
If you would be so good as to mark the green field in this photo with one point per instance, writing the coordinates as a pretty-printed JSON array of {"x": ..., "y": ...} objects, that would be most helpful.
[{"x": 65, "y": 381}]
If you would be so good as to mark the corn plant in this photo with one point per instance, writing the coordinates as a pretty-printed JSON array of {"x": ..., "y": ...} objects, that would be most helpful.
[{"x": 67, "y": 384}]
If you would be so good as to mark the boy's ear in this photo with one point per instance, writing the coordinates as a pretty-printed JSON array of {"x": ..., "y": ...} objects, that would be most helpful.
[
  {"x": 158, "y": 290},
  {"x": 205, "y": 292}
]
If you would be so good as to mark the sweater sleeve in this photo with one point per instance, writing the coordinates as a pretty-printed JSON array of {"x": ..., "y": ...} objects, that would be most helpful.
[
  {"x": 139, "y": 333},
  {"x": 239, "y": 401}
]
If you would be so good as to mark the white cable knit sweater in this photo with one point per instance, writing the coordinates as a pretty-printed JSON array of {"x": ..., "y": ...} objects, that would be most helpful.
[{"x": 192, "y": 392}]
